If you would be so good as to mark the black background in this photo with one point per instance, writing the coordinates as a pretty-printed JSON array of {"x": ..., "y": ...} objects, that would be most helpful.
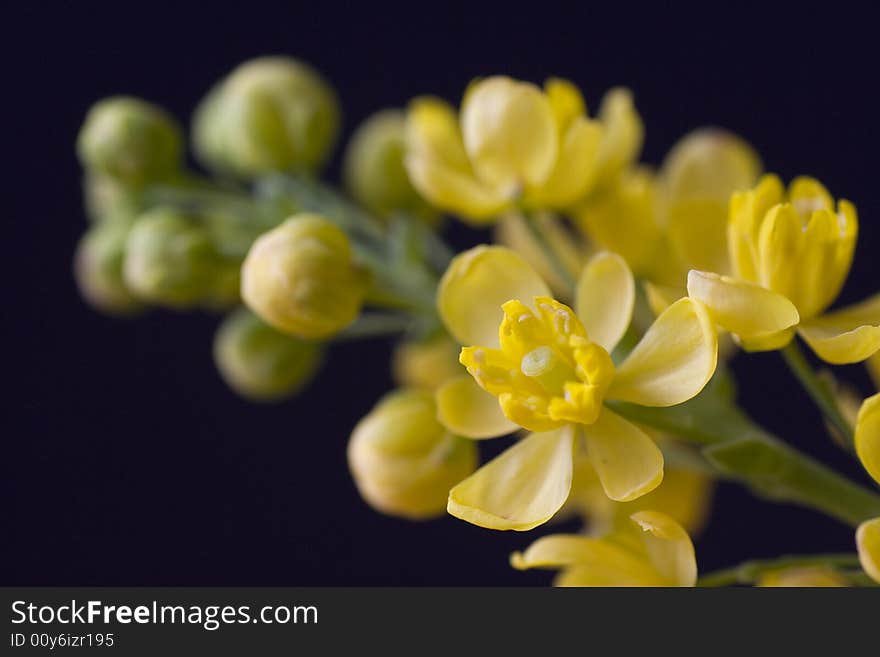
[{"x": 125, "y": 460}]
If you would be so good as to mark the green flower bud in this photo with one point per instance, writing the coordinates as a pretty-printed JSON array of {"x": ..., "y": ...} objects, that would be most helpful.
[
  {"x": 300, "y": 277},
  {"x": 404, "y": 462},
  {"x": 130, "y": 141},
  {"x": 261, "y": 363},
  {"x": 269, "y": 114},
  {"x": 97, "y": 269},
  {"x": 373, "y": 166},
  {"x": 171, "y": 261}
]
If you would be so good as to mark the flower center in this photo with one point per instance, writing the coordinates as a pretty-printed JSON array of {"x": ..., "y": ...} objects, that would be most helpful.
[{"x": 547, "y": 373}]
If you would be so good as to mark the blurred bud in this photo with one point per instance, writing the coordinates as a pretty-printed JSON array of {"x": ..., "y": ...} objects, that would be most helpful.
[
  {"x": 261, "y": 363},
  {"x": 171, "y": 261},
  {"x": 403, "y": 460},
  {"x": 97, "y": 268},
  {"x": 373, "y": 166},
  {"x": 269, "y": 114},
  {"x": 130, "y": 140},
  {"x": 426, "y": 364},
  {"x": 300, "y": 277}
]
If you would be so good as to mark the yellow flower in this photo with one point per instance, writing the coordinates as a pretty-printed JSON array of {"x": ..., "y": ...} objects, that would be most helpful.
[
  {"x": 551, "y": 371},
  {"x": 867, "y": 440},
  {"x": 667, "y": 223},
  {"x": 791, "y": 254},
  {"x": 403, "y": 461},
  {"x": 811, "y": 576},
  {"x": 685, "y": 495},
  {"x": 301, "y": 278},
  {"x": 515, "y": 145},
  {"x": 651, "y": 550}
]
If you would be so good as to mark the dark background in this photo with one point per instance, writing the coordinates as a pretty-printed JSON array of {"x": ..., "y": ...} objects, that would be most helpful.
[{"x": 125, "y": 460}]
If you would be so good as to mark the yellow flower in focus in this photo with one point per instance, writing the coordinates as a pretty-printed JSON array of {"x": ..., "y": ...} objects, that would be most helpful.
[
  {"x": 684, "y": 494},
  {"x": 301, "y": 278},
  {"x": 650, "y": 550},
  {"x": 791, "y": 253},
  {"x": 403, "y": 461},
  {"x": 548, "y": 370},
  {"x": 515, "y": 145},
  {"x": 867, "y": 442},
  {"x": 809, "y": 576}
]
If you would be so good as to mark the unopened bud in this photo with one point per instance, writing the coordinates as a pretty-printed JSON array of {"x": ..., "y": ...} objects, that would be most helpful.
[
  {"x": 171, "y": 261},
  {"x": 373, "y": 166},
  {"x": 130, "y": 140},
  {"x": 404, "y": 462},
  {"x": 97, "y": 269},
  {"x": 261, "y": 363},
  {"x": 426, "y": 364},
  {"x": 300, "y": 277},
  {"x": 269, "y": 114}
]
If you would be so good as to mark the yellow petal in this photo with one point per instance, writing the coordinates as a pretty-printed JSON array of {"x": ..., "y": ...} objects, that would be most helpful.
[
  {"x": 475, "y": 286},
  {"x": 623, "y": 218},
  {"x": 868, "y": 436},
  {"x": 849, "y": 335},
  {"x": 454, "y": 190},
  {"x": 747, "y": 210},
  {"x": 604, "y": 298},
  {"x": 566, "y": 102},
  {"x": 710, "y": 163},
  {"x": 623, "y": 133},
  {"x": 868, "y": 544},
  {"x": 432, "y": 129},
  {"x": 780, "y": 243},
  {"x": 466, "y": 409},
  {"x": 575, "y": 169},
  {"x": 673, "y": 361},
  {"x": 509, "y": 132},
  {"x": 698, "y": 231},
  {"x": 808, "y": 195},
  {"x": 599, "y": 562},
  {"x": 627, "y": 461},
  {"x": 669, "y": 547},
  {"x": 743, "y": 308},
  {"x": 766, "y": 341},
  {"x": 520, "y": 489}
]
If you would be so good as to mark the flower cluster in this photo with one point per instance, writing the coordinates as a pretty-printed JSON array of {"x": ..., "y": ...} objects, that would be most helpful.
[{"x": 592, "y": 337}]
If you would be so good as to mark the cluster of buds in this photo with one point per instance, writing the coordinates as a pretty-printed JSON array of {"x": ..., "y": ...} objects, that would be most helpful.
[{"x": 593, "y": 338}]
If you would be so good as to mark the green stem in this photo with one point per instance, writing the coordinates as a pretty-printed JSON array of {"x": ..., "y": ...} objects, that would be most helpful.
[
  {"x": 373, "y": 325},
  {"x": 741, "y": 450},
  {"x": 535, "y": 230},
  {"x": 817, "y": 390},
  {"x": 750, "y": 571}
]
